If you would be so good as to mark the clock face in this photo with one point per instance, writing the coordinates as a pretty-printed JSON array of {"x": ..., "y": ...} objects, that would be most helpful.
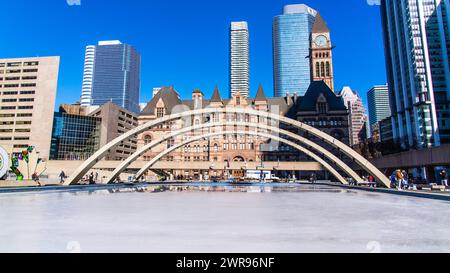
[{"x": 321, "y": 41}]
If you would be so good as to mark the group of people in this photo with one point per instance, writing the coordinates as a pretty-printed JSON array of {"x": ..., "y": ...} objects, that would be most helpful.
[
  {"x": 92, "y": 178},
  {"x": 400, "y": 180}
]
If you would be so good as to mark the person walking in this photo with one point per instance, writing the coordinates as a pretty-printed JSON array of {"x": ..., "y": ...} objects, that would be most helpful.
[
  {"x": 35, "y": 178},
  {"x": 399, "y": 178},
  {"x": 444, "y": 178},
  {"x": 62, "y": 177}
]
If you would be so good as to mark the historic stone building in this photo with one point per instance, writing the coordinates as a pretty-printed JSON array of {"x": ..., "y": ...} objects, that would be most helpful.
[
  {"x": 321, "y": 53},
  {"x": 320, "y": 108}
]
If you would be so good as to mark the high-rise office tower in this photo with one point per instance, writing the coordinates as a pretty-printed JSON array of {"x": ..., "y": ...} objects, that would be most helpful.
[
  {"x": 112, "y": 73},
  {"x": 88, "y": 77},
  {"x": 239, "y": 59},
  {"x": 417, "y": 45},
  {"x": 358, "y": 118},
  {"x": 378, "y": 100},
  {"x": 291, "y": 50},
  {"x": 27, "y": 103}
]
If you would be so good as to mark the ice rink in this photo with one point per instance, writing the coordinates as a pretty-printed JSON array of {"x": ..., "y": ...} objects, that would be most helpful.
[{"x": 257, "y": 219}]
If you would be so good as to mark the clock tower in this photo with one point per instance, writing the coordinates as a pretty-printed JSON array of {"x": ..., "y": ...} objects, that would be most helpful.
[{"x": 321, "y": 53}]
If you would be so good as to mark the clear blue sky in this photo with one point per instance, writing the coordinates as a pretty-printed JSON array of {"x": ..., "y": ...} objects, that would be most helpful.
[{"x": 185, "y": 43}]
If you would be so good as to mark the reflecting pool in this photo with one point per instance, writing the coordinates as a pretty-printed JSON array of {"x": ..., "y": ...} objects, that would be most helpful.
[{"x": 224, "y": 218}]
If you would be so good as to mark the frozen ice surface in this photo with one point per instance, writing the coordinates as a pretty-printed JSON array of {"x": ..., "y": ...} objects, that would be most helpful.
[{"x": 314, "y": 220}]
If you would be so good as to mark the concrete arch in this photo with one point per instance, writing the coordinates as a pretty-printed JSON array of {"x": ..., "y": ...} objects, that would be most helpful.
[
  {"x": 122, "y": 167},
  {"x": 317, "y": 158},
  {"x": 361, "y": 161}
]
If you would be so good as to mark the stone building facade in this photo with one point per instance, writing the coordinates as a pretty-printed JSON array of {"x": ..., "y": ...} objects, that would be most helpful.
[{"x": 320, "y": 108}]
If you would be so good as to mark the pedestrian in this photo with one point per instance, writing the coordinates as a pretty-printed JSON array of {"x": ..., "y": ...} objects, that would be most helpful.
[
  {"x": 91, "y": 179},
  {"x": 393, "y": 180},
  {"x": 311, "y": 178},
  {"x": 405, "y": 181},
  {"x": 96, "y": 176},
  {"x": 350, "y": 181},
  {"x": 62, "y": 177},
  {"x": 444, "y": 178},
  {"x": 35, "y": 178},
  {"x": 399, "y": 179}
]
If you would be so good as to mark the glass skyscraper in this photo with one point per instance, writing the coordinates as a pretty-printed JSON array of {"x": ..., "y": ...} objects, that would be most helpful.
[
  {"x": 378, "y": 100},
  {"x": 291, "y": 50},
  {"x": 112, "y": 73},
  {"x": 417, "y": 44},
  {"x": 239, "y": 59}
]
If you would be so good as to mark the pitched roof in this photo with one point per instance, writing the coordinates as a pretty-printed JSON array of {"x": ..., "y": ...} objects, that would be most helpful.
[
  {"x": 170, "y": 98},
  {"x": 320, "y": 26},
  {"x": 216, "y": 95},
  {"x": 260, "y": 96},
  {"x": 309, "y": 101}
]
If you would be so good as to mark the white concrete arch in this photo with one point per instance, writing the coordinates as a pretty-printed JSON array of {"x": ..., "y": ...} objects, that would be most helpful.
[
  {"x": 317, "y": 158},
  {"x": 122, "y": 167},
  {"x": 361, "y": 161}
]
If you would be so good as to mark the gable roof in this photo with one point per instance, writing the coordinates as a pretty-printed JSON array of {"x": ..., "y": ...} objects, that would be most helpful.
[
  {"x": 260, "y": 96},
  {"x": 216, "y": 95},
  {"x": 320, "y": 26},
  {"x": 308, "y": 102},
  {"x": 170, "y": 98}
]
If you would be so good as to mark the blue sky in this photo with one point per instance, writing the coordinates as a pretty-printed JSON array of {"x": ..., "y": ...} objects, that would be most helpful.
[{"x": 185, "y": 43}]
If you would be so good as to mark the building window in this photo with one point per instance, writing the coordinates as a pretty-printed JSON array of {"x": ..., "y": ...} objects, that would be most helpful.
[
  {"x": 317, "y": 69},
  {"x": 170, "y": 143},
  {"x": 160, "y": 112},
  {"x": 322, "y": 107},
  {"x": 147, "y": 139},
  {"x": 328, "y": 69},
  {"x": 322, "y": 69}
]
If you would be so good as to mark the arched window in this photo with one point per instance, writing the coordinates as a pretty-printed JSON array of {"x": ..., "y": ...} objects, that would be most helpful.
[
  {"x": 170, "y": 143},
  {"x": 322, "y": 69},
  {"x": 147, "y": 139},
  {"x": 328, "y": 69},
  {"x": 216, "y": 147},
  {"x": 318, "y": 69}
]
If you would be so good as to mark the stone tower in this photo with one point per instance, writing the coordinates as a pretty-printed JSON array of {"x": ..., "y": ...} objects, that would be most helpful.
[{"x": 321, "y": 53}]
